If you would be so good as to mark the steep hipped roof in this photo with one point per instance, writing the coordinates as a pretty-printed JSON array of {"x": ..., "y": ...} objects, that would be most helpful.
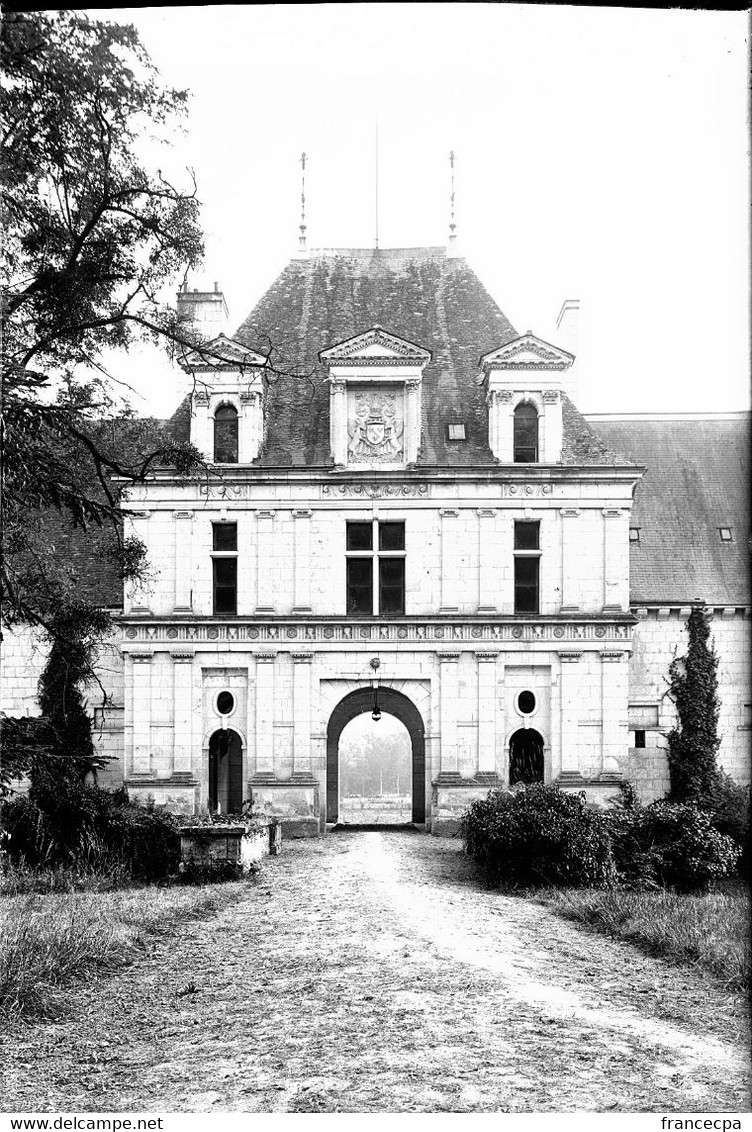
[
  {"x": 697, "y": 480},
  {"x": 420, "y": 295}
]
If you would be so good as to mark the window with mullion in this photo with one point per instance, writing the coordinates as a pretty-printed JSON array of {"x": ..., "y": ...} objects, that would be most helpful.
[{"x": 375, "y": 568}]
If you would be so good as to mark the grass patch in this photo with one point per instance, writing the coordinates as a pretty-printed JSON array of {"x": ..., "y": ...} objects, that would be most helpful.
[
  {"x": 48, "y": 940},
  {"x": 710, "y": 931}
]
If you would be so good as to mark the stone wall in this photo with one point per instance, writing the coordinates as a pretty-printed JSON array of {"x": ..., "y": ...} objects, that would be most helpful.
[
  {"x": 24, "y": 655},
  {"x": 658, "y": 637}
]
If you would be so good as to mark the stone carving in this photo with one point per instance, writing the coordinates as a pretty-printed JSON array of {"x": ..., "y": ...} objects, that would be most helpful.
[
  {"x": 375, "y": 427},
  {"x": 538, "y": 489},
  {"x": 375, "y": 490},
  {"x": 468, "y": 631}
]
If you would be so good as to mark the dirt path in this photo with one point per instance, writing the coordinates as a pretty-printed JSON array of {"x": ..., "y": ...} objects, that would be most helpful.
[{"x": 371, "y": 972}]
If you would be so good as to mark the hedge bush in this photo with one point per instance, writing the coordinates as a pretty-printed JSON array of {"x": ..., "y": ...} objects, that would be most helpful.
[
  {"x": 539, "y": 835},
  {"x": 85, "y": 826}
]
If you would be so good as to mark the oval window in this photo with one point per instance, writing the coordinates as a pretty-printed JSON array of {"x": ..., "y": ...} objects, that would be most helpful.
[
  {"x": 225, "y": 703},
  {"x": 526, "y": 702}
]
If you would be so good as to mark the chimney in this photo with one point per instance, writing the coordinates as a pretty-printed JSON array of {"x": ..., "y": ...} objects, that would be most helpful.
[
  {"x": 568, "y": 337},
  {"x": 204, "y": 312}
]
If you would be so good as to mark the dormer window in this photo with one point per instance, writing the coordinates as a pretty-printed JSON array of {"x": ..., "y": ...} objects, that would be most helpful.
[
  {"x": 375, "y": 400},
  {"x": 525, "y": 433},
  {"x": 226, "y": 435},
  {"x": 524, "y": 379}
]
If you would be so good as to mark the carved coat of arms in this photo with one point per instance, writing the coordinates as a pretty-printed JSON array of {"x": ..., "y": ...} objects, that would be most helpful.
[{"x": 375, "y": 429}]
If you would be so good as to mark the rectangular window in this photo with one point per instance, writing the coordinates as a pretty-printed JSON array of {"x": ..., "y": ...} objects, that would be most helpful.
[
  {"x": 225, "y": 585},
  {"x": 639, "y": 738},
  {"x": 225, "y": 568},
  {"x": 526, "y": 566},
  {"x": 392, "y": 585},
  {"x": 526, "y": 579},
  {"x": 391, "y": 536},
  {"x": 526, "y": 535},
  {"x": 360, "y": 585},
  {"x": 224, "y": 536},
  {"x": 634, "y": 534},
  {"x": 375, "y": 568},
  {"x": 360, "y": 536}
]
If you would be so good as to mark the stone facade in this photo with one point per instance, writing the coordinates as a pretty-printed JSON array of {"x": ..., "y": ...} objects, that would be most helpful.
[{"x": 214, "y": 704}]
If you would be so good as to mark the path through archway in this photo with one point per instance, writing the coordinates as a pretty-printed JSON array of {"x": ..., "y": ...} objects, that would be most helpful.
[
  {"x": 391, "y": 703},
  {"x": 375, "y": 772}
]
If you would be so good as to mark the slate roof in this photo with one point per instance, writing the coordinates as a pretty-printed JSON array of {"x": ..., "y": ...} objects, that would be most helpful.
[
  {"x": 420, "y": 295},
  {"x": 697, "y": 480}
]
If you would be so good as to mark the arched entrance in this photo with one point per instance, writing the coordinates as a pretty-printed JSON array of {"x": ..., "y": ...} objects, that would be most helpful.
[
  {"x": 394, "y": 703},
  {"x": 526, "y": 756},
  {"x": 225, "y": 772}
]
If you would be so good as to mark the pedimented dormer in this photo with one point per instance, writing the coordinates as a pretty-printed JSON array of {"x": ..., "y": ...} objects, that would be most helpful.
[
  {"x": 375, "y": 399},
  {"x": 525, "y": 381},
  {"x": 227, "y": 400}
]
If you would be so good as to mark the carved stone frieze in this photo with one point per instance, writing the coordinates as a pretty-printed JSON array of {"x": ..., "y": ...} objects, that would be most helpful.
[
  {"x": 375, "y": 490},
  {"x": 296, "y": 633}
]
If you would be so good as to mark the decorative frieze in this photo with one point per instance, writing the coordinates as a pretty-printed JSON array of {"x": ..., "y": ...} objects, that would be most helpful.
[
  {"x": 399, "y": 632},
  {"x": 375, "y": 491},
  {"x": 511, "y": 490}
]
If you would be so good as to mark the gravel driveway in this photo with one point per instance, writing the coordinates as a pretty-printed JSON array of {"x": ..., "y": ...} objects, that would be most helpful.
[{"x": 370, "y": 971}]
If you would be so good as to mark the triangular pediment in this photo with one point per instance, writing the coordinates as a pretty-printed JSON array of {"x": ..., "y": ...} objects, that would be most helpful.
[
  {"x": 375, "y": 344},
  {"x": 527, "y": 352},
  {"x": 221, "y": 353}
]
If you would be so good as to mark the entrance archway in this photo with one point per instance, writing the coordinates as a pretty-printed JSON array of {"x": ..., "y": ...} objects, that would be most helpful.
[
  {"x": 394, "y": 703},
  {"x": 225, "y": 772},
  {"x": 526, "y": 756}
]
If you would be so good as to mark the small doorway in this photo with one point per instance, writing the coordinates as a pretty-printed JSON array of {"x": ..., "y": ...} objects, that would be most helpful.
[
  {"x": 375, "y": 772},
  {"x": 526, "y": 756},
  {"x": 225, "y": 772}
]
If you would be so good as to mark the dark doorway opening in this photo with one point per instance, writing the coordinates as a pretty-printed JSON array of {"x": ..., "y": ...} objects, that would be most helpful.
[
  {"x": 225, "y": 772},
  {"x": 391, "y": 703},
  {"x": 525, "y": 756}
]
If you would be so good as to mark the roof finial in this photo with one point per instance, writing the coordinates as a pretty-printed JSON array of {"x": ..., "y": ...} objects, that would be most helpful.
[
  {"x": 452, "y": 225},
  {"x": 302, "y": 238},
  {"x": 377, "y": 186}
]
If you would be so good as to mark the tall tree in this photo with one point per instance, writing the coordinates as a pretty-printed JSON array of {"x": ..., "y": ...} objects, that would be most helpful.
[
  {"x": 693, "y": 743},
  {"x": 95, "y": 238}
]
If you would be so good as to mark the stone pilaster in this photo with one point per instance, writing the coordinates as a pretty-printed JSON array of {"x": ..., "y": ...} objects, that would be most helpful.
[
  {"x": 449, "y": 579},
  {"x": 487, "y": 598},
  {"x": 486, "y": 712},
  {"x": 570, "y": 554},
  {"x": 338, "y": 419},
  {"x": 615, "y": 560},
  {"x": 569, "y": 681},
  {"x": 614, "y": 681},
  {"x": 142, "y": 663},
  {"x": 412, "y": 419},
  {"x": 449, "y": 710},
  {"x": 136, "y": 599},
  {"x": 182, "y": 672},
  {"x": 301, "y": 736},
  {"x": 265, "y": 558},
  {"x": 302, "y": 519},
  {"x": 265, "y": 663},
  {"x": 183, "y": 544}
]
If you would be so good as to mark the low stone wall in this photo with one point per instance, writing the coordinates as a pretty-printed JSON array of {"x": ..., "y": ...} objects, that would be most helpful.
[{"x": 232, "y": 848}]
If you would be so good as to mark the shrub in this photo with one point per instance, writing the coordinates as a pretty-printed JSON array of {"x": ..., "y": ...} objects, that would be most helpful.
[
  {"x": 728, "y": 804},
  {"x": 670, "y": 845},
  {"x": 538, "y": 835},
  {"x": 90, "y": 828}
]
